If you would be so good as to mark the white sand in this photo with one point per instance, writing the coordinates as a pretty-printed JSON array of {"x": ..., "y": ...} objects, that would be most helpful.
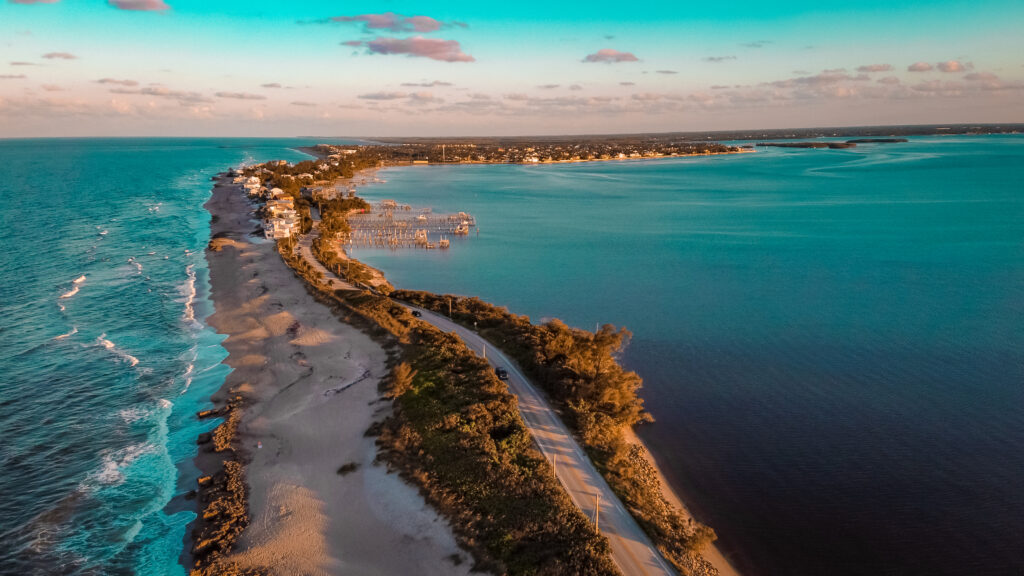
[{"x": 292, "y": 360}]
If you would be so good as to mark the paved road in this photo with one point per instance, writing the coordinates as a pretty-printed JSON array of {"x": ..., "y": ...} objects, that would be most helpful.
[
  {"x": 305, "y": 246},
  {"x": 632, "y": 551}
]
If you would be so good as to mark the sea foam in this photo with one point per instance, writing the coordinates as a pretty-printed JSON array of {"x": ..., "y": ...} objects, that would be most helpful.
[{"x": 102, "y": 341}]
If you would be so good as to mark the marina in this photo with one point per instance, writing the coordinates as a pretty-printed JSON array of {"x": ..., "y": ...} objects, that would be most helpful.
[{"x": 393, "y": 225}]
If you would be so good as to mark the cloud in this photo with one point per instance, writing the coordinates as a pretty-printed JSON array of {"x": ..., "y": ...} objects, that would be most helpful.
[
  {"x": 117, "y": 82},
  {"x": 756, "y": 44},
  {"x": 575, "y": 87},
  {"x": 548, "y": 86},
  {"x": 868, "y": 68},
  {"x": 890, "y": 80},
  {"x": 920, "y": 67},
  {"x": 183, "y": 98},
  {"x": 825, "y": 78},
  {"x": 667, "y": 72},
  {"x": 384, "y": 96},
  {"x": 23, "y": 64},
  {"x": 417, "y": 46},
  {"x": 139, "y": 5},
  {"x": 12, "y": 76},
  {"x": 59, "y": 56},
  {"x": 398, "y": 23},
  {"x": 718, "y": 59},
  {"x": 955, "y": 66},
  {"x": 627, "y": 83},
  {"x": 981, "y": 77},
  {"x": 609, "y": 56},
  {"x": 302, "y": 103},
  {"x": 52, "y": 88},
  {"x": 270, "y": 85},
  {"x": 240, "y": 96},
  {"x": 719, "y": 87},
  {"x": 433, "y": 84}
]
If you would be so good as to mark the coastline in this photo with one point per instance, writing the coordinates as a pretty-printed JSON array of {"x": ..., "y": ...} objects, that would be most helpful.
[
  {"x": 306, "y": 384},
  {"x": 712, "y": 553}
]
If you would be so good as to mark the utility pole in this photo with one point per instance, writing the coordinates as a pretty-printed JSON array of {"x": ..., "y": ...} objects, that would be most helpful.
[
  {"x": 449, "y": 308},
  {"x": 485, "y": 350},
  {"x": 597, "y": 513},
  {"x": 554, "y": 464}
]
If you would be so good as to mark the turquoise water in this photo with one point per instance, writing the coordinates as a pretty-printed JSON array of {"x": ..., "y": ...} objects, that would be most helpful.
[
  {"x": 832, "y": 341},
  {"x": 103, "y": 352}
]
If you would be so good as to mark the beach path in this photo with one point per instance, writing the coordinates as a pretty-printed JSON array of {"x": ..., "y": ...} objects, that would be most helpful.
[{"x": 632, "y": 551}]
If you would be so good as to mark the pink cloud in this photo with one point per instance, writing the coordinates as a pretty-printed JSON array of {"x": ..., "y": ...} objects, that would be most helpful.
[
  {"x": 12, "y": 76},
  {"x": 384, "y": 96},
  {"x": 609, "y": 56},
  {"x": 140, "y": 5},
  {"x": 117, "y": 82},
  {"x": 418, "y": 46},
  {"x": 891, "y": 80},
  {"x": 955, "y": 66},
  {"x": 240, "y": 96},
  {"x": 397, "y": 23},
  {"x": 920, "y": 67},
  {"x": 867, "y": 68},
  {"x": 59, "y": 56}
]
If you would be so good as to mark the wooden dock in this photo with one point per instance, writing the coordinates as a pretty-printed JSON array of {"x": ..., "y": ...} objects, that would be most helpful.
[{"x": 391, "y": 225}]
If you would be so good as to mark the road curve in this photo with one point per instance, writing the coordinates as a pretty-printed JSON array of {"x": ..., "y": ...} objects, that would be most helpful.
[{"x": 632, "y": 551}]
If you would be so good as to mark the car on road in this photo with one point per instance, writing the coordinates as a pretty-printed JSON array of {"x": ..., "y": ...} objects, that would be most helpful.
[
  {"x": 416, "y": 313},
  {"x": 501, "y": 373}
]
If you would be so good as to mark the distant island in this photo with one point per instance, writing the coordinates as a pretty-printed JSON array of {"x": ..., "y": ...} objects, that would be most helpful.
[{"x": 833, "y": 145}]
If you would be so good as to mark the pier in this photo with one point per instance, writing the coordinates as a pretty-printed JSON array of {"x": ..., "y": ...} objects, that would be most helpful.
[{"x": 391, "y": 225}]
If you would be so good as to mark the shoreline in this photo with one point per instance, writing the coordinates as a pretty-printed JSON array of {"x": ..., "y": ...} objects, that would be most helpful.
[
  {"x": 311, "y": 150},
  {"x": 305, "y": 383},
  {"x": 713, "y": 554}
]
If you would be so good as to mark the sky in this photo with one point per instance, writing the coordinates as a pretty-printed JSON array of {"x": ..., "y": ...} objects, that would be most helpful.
[{"x": 461, "y": 68}]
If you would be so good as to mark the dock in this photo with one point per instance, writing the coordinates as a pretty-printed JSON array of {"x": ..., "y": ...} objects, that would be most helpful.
[{"x": 392, "y": 225}]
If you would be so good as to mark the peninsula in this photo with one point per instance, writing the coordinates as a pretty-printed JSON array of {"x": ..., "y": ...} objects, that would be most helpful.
[{"x": 339, "y": 379}]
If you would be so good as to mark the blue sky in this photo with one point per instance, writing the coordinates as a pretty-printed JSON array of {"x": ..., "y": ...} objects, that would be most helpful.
[{"x": 189, "y": 67}]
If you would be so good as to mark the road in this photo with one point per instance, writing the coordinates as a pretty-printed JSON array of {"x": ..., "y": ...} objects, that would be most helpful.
[
  {"x": 632, "y": 551},
  {"x": 305, "y": 247}
]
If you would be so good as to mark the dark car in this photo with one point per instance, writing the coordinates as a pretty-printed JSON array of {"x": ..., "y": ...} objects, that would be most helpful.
[
  {"x": 416, "y": 313},
  {"x": 501, "y": 373}
]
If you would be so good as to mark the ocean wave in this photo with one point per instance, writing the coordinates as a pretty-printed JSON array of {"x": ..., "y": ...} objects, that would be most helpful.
[
  {"x": 102, "y": 341},
  {"x": 74, "y": 330},
  {"x": 136, "y": 263},
  {"x": 110, "y": 471},
  {"x": 75, "y": 286},
  {"x": 188, "y": 292},
  {"x": 188, "y": 376}
]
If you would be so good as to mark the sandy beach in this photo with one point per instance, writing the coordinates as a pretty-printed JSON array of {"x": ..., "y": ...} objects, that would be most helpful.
[{"x": 310, "y": 387}]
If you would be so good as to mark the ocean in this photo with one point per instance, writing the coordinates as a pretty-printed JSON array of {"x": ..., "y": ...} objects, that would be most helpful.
[
  {"x": 104, "y": 355},
  {"x": 832, "y": 341}
]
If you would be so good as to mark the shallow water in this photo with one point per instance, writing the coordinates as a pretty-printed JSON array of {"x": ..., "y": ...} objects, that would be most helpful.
[
  {"x": 832, "y": 341},
  {"x": 104, "y": 356}
]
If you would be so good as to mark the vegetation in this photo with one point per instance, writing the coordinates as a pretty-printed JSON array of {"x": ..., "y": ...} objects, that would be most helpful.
[
  {"x": 456, "y": 432},
  {"x": 581, "y": 376}
]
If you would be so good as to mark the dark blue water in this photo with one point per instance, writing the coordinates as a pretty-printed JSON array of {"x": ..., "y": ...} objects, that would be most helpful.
[
  {"x": 100, "y": 379},
  {"x": 832, "y": 341}
]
